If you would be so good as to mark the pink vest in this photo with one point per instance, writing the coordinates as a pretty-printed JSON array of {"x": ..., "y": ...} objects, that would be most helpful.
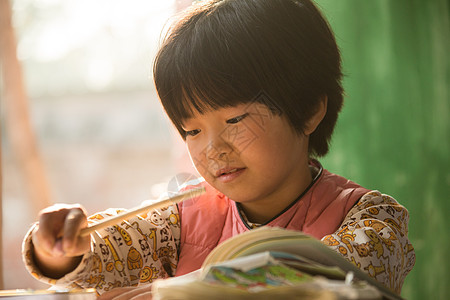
[{"x": 212, "y": 218}]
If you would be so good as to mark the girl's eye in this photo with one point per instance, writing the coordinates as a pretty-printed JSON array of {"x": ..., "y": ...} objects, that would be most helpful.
[
  {"x": 237, "y": 119},
  {"x": 192, "y": 132}
]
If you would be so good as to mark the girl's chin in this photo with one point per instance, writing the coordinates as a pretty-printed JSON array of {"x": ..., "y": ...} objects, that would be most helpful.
[{"x": 236, "y": 195}]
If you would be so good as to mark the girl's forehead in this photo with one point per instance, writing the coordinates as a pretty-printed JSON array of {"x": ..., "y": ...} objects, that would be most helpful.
[
  {"x": 195, "y": 102},
  {"x": 194, "y": 112}
]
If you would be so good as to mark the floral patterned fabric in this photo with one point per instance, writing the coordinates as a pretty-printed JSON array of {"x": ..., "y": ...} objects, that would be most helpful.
[{"x": 373, "y": 236}]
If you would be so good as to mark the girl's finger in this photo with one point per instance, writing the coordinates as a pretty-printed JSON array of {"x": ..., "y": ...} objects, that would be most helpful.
[
  {"x": 143, "y": 296},
  {"x": 74, "y": 221},
  {"x": 136, "y": 293},
  {"x": 127, "y": 293},
  {"x": 115, "y": 293},
  {"x": 49, "y": 228},
  {"x": 44, "y": 244}
]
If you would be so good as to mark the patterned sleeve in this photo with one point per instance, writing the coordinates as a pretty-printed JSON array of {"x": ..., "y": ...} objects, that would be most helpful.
[
  {"x": 132, "y": 253},
  {"x": 374, "y": 237}
]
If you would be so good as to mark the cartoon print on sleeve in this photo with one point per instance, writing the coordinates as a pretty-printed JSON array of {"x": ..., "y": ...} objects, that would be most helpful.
[
  {"x": 134, "y": 259},
  {"x": 376, "y": 227},
  {"x": 124, "y": 234},
  {"x": 131, "y": 253},
  {"x": 152, "y": 236},
  {"x": 117, "y": 263},
  {"x": 148, "y": 274},
  {"x": 174, "y": 219}
]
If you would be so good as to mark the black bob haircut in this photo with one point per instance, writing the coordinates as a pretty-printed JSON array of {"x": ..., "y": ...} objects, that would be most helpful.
[{"x": 222, "y": 53}]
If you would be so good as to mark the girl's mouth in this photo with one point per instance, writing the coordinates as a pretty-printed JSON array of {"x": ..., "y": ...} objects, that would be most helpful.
[{"x": 229, "y": 174}]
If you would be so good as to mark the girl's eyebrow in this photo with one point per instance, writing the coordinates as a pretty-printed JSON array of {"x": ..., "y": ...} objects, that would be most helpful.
[{"x": 238, "y": 117}]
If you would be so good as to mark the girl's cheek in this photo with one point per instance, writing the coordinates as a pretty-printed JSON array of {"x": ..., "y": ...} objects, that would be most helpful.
[
  {"x": 242, "y": 136},
  {"x": 198, "y": 158}
]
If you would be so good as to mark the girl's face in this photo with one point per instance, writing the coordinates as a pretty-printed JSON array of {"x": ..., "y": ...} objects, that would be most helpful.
[{"x": 251, "y": 155}]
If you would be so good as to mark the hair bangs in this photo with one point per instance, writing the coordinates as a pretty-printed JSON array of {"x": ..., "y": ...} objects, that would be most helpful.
[{"x": 281, "y": 53}]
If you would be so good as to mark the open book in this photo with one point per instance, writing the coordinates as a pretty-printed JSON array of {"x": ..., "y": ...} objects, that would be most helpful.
[{"x": 268, "y": 262}]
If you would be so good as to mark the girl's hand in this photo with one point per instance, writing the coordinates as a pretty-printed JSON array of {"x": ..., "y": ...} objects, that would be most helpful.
[
  {"x": 58, "y": 248},
  {"x": 128, "y": 293}
]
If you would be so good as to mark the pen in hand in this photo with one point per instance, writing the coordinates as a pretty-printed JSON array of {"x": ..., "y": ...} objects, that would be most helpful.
[{"x": 139, "y": 210}]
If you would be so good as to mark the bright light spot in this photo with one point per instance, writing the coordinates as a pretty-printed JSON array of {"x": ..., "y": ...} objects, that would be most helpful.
[
  {"x": 91, "y": 43},
  {"x": 99, "y": 74}
]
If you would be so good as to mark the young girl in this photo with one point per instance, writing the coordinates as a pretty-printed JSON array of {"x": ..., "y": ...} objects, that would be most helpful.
[{"x": 254, "y": 88}]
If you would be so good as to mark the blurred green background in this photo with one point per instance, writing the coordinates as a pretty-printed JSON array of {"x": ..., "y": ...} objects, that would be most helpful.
[{"x": 393, "y": 134}]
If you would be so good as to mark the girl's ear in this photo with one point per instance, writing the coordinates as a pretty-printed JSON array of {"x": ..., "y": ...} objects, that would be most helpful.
[{"x": 318, "y": 116}]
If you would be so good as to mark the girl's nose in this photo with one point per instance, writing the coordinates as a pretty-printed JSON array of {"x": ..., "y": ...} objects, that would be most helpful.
[{"x": 218, "y": 149}]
